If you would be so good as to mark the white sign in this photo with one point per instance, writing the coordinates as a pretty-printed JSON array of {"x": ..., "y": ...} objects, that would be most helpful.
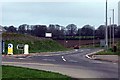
[
  {"x": 20, "y": 46},
  {"x": 48, "y": 34},
  {"x": 26, "y": 49}
]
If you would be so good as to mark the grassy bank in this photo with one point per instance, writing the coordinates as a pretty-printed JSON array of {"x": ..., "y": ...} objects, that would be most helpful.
[
  {"x": 35, "y": 44},
  {"x": 110, "y": 51},
  {"x": 19, "y": 73}
]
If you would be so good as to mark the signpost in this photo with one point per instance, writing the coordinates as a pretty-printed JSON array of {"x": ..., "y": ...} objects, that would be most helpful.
[{"x": 10, "y": 49}]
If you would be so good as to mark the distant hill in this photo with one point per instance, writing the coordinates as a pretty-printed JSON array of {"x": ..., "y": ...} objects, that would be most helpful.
[{"x": 36, "y": 44}]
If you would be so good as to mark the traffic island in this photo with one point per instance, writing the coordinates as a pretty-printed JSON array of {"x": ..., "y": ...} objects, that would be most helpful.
[{"x": 103, "y": 57}]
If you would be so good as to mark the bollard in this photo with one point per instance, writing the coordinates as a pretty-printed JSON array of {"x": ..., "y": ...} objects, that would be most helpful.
[
  {"x": 26, "y": 49},
  {"x": 10, "y": 49}
]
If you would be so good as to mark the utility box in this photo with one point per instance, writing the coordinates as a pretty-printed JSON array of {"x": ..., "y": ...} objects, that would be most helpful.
[
  {"x": 10, "y": 49},
  {"x": 26, "y": 49},
  {"x": 102, "y": 43}
]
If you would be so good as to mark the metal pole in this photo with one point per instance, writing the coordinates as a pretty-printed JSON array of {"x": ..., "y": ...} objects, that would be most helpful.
[
  {"x": 113, "y": 28},
  {"x": 79, "y": 36},
  {"x": 93, "y": 38},
  {"x": 110, "y": 32},
  {"x": 106, "y": 31}
]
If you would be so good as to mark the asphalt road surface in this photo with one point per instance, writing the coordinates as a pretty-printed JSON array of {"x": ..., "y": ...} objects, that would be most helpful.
[{"x": 74, "y": 64}]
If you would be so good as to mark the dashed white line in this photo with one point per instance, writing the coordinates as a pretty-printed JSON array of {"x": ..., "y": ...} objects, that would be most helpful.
[
  {"x": 114, "y": 63},
  {"x": 63, "y": 58},
  {"x": 48, "y": 59},
  {"x": 73, "y": 61},
  {"x": 76, "y": 50},
  {"x": 97, "y": 62},
  {"x": 21, "y": 58},
  {"x": 82, "y": 50}
]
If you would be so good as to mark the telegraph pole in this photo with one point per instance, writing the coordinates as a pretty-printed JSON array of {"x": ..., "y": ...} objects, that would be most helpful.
[{"x": 106, "y": 31}]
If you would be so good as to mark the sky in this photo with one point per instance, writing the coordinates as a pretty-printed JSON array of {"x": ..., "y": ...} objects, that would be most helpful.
[{"x": 62, "y": 12}]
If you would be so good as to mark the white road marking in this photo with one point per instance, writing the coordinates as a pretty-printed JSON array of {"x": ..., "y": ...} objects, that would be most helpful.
[
  {"x": 63, "y": 58},
  {"x": 88, "y": 57},
  {"x": 82, "y": 50},
  {"x": 114, "y": 63},
  {"x": 73, "y": 61},
  {"x": 99, "y": 62},
  {"x": 76, "y": 50},
  {"x": 48, "y": 59},
  {"x": 21, "y": 58},
  {"x": 29, "y": 57}
]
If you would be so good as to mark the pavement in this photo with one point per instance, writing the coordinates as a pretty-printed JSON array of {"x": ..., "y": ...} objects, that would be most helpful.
[
  {"x": 72, "y": 63},
  {"x": 110, "y": 58}
]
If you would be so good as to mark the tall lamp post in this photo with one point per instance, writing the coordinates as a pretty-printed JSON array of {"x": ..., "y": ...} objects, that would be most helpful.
[
  {"x": 110, "y": 32},
  {"x": 113, "y": 29},
  {"x": 106, "y": 31},
  {"x": 93, "y": 37}
]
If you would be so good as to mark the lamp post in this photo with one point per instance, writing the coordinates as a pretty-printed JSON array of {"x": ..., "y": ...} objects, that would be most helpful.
[
  {"x": 113, "y": 29},
  {"x": 93, "y": 37},
  {"x": 106, "y": 30},
  {"x": 110, "y": 32}
]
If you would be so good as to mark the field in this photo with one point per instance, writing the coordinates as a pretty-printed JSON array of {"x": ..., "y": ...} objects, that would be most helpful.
[
  {"x": 19, "y": 73},
  {"x": 71, "y": 43}
]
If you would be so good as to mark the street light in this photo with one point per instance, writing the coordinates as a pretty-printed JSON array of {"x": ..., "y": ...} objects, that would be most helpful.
[
  {"x": 113, "y": 28},
  {"x": 93, "y": 37},
  {"x": 110, "y": 32},
  {"x": 106, "y": 31}
]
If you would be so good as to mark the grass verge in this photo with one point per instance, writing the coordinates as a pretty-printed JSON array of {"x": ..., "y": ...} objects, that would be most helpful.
[
  {"x": 19, "y": 73},
  {"x": 36, "y": 44},
  {"x": 110, "y": 51}
]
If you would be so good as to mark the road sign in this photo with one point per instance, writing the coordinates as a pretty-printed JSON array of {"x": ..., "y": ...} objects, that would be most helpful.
[
  {"x": 26, "y": 49},
  {"x": 10, "y": 49},
  {"x": 20, "y": 46},
  {"x": 48, "y": 35}
]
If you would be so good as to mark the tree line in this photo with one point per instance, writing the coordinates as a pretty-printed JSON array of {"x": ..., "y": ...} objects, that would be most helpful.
[{"x": 60, "y": 32}]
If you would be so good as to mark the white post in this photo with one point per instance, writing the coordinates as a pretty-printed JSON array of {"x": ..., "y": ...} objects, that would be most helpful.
[{"x": 26, "y": 49}]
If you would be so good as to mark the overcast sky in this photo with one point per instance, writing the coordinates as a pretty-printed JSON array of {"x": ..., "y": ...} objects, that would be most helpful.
[{"x": 56, "y": 12}]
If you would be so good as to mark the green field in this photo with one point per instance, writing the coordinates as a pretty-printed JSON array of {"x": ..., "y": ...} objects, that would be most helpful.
[
  {"x": 35, "y": 44},
  {"x": 19, "y": 73}
]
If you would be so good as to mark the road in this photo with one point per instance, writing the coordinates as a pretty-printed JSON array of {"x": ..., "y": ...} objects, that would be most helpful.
[{"x": 74, "y": 64}]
